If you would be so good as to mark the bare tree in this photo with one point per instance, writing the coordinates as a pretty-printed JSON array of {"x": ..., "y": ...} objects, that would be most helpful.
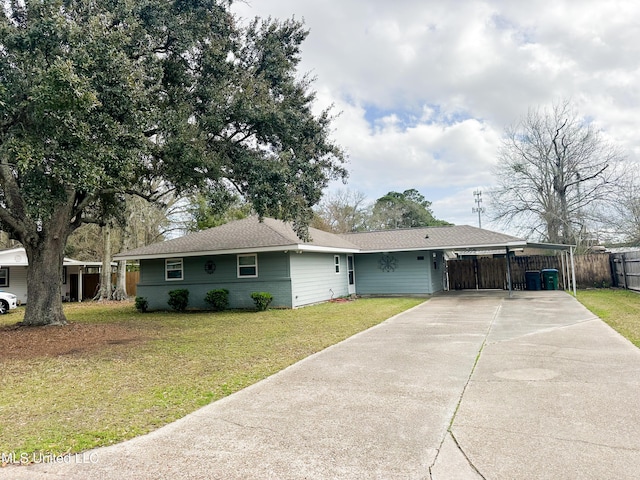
[
  {"x": 343, "y": 211},
  {"x": 622, "y": 220},
  {"x": 554, "y": 170},
  {"x": 148, "y": 222}
]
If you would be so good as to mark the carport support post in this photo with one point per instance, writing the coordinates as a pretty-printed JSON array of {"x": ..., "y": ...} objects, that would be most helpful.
[
  {"x": 573, "y": 271},
  {"x": 509, "y": 272},
  {"x": 567, "y": 269}
]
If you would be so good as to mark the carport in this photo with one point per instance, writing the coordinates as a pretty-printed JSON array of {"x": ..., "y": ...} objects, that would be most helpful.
[{"x": 567, "y": 264}]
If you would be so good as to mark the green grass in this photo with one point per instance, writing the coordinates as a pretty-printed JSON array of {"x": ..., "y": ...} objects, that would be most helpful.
[
  {"x": 71, "y": 403},
  {"x": 618, "y": 308}
]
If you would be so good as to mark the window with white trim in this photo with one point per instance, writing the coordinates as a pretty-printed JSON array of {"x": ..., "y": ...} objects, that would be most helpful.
[
  {"x": 336, "y": 261},
  {"x": 173, "y": 269},
  {"x": 248, "y": 265}
]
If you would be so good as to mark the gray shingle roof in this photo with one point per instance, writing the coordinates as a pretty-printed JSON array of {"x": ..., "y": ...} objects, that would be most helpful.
[
  {"x": 270, "y": 234},
  {"x": 241, "y": 235},
  {"x": 431, "y": 238}
]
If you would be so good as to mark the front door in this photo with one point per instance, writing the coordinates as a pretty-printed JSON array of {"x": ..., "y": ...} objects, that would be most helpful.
[
  {"x": 351, "y": 273},
  {"x": 73, "y": 287}
]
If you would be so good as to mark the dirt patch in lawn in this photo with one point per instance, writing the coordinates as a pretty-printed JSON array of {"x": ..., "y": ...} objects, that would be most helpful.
[{"x": 18, "y": 342}]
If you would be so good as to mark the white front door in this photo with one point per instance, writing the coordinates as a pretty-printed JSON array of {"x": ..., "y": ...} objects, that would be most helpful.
[{"x": 352, "y": 274}]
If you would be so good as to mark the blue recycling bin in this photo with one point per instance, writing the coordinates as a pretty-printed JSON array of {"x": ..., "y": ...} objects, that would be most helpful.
[{"x": 533, "y": 280}]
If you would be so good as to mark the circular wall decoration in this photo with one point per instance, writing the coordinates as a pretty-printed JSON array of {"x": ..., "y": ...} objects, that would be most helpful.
[
  {"x": 209, "y": 267},
  {"x": 387, "y": 263}
]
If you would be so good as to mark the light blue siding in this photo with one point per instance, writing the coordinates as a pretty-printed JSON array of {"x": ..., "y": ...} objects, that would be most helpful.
[
  {"x": 294, "y": 279},
  {"x": 411, "y": 274},
  {"x": 314, "y": 278},
  {"x": 273, "y": 277}
]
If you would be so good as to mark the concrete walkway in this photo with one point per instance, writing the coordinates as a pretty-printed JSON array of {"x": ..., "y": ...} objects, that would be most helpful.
[{"x": 465, "y": 386}]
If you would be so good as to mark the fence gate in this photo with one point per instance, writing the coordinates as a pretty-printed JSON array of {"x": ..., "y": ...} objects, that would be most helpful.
[
  {"x": 477, "y": 273},
  {"x": 463, "y": 274},
  {"x": 626, "y": 270}
]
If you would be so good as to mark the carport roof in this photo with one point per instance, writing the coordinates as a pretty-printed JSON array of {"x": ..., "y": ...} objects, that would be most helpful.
[
  {"x": 550, "y": 246},
  {"x": 451, "y": 237}
]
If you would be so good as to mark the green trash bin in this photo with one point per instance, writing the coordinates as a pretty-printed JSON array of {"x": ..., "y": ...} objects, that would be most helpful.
[{"x": 550, "y": 279}]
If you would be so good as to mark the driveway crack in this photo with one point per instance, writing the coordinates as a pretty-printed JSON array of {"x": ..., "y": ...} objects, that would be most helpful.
[
  {"x": 449, "y": 432},
  {"x": 475, "y": 469}
]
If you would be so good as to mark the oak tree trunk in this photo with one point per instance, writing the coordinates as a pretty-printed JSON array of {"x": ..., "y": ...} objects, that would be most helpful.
[
  {"x": 44, "y": 281},
  {"x": 44, "y": 245}
]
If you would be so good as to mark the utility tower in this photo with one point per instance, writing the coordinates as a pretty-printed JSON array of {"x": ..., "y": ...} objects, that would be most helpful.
[{"x": 479, "y": 209}]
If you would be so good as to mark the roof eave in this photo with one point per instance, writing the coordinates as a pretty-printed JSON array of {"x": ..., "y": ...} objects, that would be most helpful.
[
  {"x": 239, "y": 251},
  {"x": 493, "y": 246},
  {"x": 321, "y": 249}
]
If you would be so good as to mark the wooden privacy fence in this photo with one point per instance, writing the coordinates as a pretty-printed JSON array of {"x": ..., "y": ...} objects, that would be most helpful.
[
  {"x": 91, "y": 283},
  {"x": 491, "y": 273},
  {"x": 626, "y": 270},
  {"x": 132, "y": 282}
]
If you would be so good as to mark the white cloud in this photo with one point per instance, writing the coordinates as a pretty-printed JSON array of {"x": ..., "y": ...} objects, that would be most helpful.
[{"x": 426, "y": 87}]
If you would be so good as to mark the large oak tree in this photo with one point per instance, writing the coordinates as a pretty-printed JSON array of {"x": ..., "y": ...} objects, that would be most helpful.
[{"x": 103, "y": 99}]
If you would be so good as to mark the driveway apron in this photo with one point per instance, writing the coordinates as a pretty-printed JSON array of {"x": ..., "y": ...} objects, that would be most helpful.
[
  {"x": 467, "y": 385},
  {"x": 555, "y": 395}
]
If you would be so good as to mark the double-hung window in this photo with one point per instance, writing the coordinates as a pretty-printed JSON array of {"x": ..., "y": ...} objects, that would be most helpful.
[
  {"x": 173, "y": 269},
  {"x": 248, "y": 265},
  {"x": 336, "y": 261},
  {"x": 4, "y": 277}
]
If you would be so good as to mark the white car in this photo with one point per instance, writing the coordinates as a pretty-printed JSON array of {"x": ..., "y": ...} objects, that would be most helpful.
[{"x": 8, "y": 301}]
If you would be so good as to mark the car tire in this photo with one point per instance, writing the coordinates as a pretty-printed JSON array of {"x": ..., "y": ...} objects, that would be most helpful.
[{"x": 4, "y": 307}]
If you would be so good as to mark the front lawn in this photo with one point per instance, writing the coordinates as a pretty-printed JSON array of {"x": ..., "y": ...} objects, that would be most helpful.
[
  {"x": 619, "y": 308},
  {"x": 114, "y": 373}
]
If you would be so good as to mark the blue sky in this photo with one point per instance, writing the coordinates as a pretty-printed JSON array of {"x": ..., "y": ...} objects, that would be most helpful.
[{"x": 425, "y": 88}]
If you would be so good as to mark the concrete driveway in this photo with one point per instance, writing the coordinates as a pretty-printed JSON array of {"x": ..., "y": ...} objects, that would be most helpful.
[{"x": 465, "y": 386}]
